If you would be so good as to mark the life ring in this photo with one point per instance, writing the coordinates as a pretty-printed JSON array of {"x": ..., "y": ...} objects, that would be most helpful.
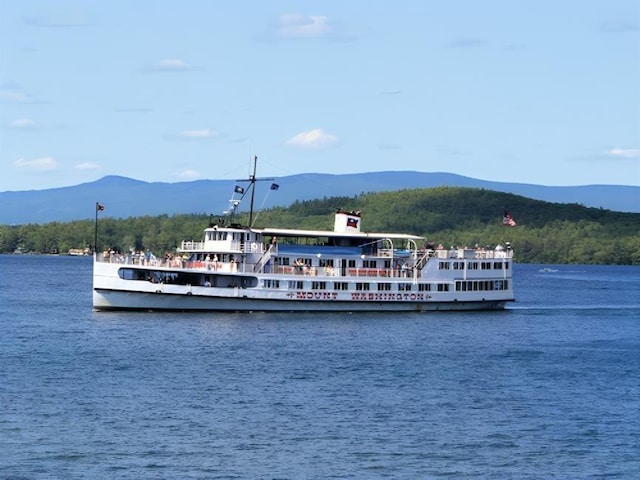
[{"x": 254, "y": 247}]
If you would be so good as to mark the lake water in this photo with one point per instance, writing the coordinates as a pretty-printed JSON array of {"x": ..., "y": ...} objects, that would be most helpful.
[{"x": 549, "y": 388}]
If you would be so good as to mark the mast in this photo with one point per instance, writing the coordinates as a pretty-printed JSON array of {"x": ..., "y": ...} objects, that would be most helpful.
[
  {"x": 252, "y": 185},
  {"x": 252, "y": 179}
]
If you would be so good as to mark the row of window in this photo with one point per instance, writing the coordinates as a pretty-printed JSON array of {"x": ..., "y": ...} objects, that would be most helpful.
[
  {"x": 358, "y": 286},
  {"x": 459, "y": 265},
  {"x": 481, "y": 285}
]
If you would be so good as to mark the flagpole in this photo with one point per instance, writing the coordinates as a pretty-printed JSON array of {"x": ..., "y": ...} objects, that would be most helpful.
[
  {"x": 95, "y": 235},
  {"x": 252, "y": 178}
]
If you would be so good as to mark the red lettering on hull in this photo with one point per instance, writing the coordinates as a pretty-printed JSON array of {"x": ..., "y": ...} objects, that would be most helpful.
[{"x": 361, "y": 296}]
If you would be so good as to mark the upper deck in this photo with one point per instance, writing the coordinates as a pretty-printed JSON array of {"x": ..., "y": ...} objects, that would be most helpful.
[{"x": 322, "y": 261}]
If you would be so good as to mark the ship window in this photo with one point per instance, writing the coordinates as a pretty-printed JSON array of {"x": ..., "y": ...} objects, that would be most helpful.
[
  {"x": 318, "y": 285},
  {"x": 369, "y": 264},
  {"x": 443, "y": 265},
  {"x": 295, "y": 284},
  {"x": 384, "y": 287},
  {"x": 443, "y": 287},
  {"x": 362, "y": 286},
  {"x": 424, "y": 287},
  {"x": 272, "y": 283},
  {"x": 325, "y": 262},
  {"x": 340, "y": 286},
  {"x": 127, "y": 274},
  {"x": 404, "y": 287}
]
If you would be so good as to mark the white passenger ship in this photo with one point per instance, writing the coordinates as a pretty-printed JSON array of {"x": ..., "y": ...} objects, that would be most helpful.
[{"x": 239, "y": 268}]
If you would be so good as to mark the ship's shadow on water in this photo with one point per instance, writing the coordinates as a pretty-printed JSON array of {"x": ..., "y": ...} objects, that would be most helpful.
[{"x": 547, "y": 388}]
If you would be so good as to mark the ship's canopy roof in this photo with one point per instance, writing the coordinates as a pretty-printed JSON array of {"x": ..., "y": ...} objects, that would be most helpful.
[
  {"x": 284, "y": 232},
  {"x": 292, "y": 232}
]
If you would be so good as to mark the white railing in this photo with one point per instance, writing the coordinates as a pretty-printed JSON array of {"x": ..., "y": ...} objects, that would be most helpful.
[{"x": 189, "y": 245}]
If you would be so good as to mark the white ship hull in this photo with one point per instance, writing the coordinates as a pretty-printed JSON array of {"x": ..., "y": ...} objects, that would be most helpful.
[{"x": 112, "y": 300}]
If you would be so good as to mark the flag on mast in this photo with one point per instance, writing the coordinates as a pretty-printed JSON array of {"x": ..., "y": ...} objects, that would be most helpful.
[{"x": 99, "y": 207}]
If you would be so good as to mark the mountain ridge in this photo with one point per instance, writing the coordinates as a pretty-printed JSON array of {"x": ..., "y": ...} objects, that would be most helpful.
[{"x": 126, "y": 197}]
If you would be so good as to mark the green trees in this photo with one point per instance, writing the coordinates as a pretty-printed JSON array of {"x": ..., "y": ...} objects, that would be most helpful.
[{"x": 546, "y": 232}]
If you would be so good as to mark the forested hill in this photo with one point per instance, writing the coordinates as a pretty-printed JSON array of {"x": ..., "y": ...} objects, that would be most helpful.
[{"x": 545, "y": 232}]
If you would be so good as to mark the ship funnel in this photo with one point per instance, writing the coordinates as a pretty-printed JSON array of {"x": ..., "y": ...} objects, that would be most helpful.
[{"x": 347, "y": 221}]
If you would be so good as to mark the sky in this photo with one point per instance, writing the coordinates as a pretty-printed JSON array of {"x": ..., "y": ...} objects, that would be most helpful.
[{"x": 533, "y": 91}]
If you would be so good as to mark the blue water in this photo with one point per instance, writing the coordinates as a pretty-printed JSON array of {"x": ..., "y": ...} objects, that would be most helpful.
[{"x": 549, "y": 388}]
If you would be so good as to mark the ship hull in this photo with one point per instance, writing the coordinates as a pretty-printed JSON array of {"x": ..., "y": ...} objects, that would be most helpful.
[{"x": 131, "y": 300}]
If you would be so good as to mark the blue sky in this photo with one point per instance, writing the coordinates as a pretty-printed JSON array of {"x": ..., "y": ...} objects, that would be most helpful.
[{"x": 542, "y": 92}]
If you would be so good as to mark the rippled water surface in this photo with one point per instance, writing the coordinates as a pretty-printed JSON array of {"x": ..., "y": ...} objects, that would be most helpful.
[{"x": 548, "y": 388}]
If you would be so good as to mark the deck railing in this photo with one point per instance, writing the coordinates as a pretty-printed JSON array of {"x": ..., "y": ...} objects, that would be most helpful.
[{"x": 406, "y": 271}]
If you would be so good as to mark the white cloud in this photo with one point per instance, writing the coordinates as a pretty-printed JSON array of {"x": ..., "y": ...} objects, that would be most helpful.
[
  {"x": 624, "y": 152},
  {"x": 8, "y": 95},
  {"x": 86, "y": 166},
  {"x": 297, "y": 25},
  {"x": 44, "y": 164},
  {"x": 314, "y": 139},
  {"x": 188, "y": 174},
  {"x": 173, "y": 64},
  {"x": 25, "y": 123},
  {"x": 203, "y": 133},
  {"x": 467, "y": 42},
  {"x": 58, "y": 18},
  {"x": 620, "y": 26}
]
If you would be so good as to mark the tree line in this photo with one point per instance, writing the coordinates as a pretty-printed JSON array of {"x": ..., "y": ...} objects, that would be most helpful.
[{"x": 547, "y": 232}]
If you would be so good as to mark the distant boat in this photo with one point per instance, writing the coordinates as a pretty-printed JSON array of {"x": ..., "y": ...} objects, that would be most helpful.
[
  {"x": 240, "y": 268},
  {"x": 79, "y": 252}
]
